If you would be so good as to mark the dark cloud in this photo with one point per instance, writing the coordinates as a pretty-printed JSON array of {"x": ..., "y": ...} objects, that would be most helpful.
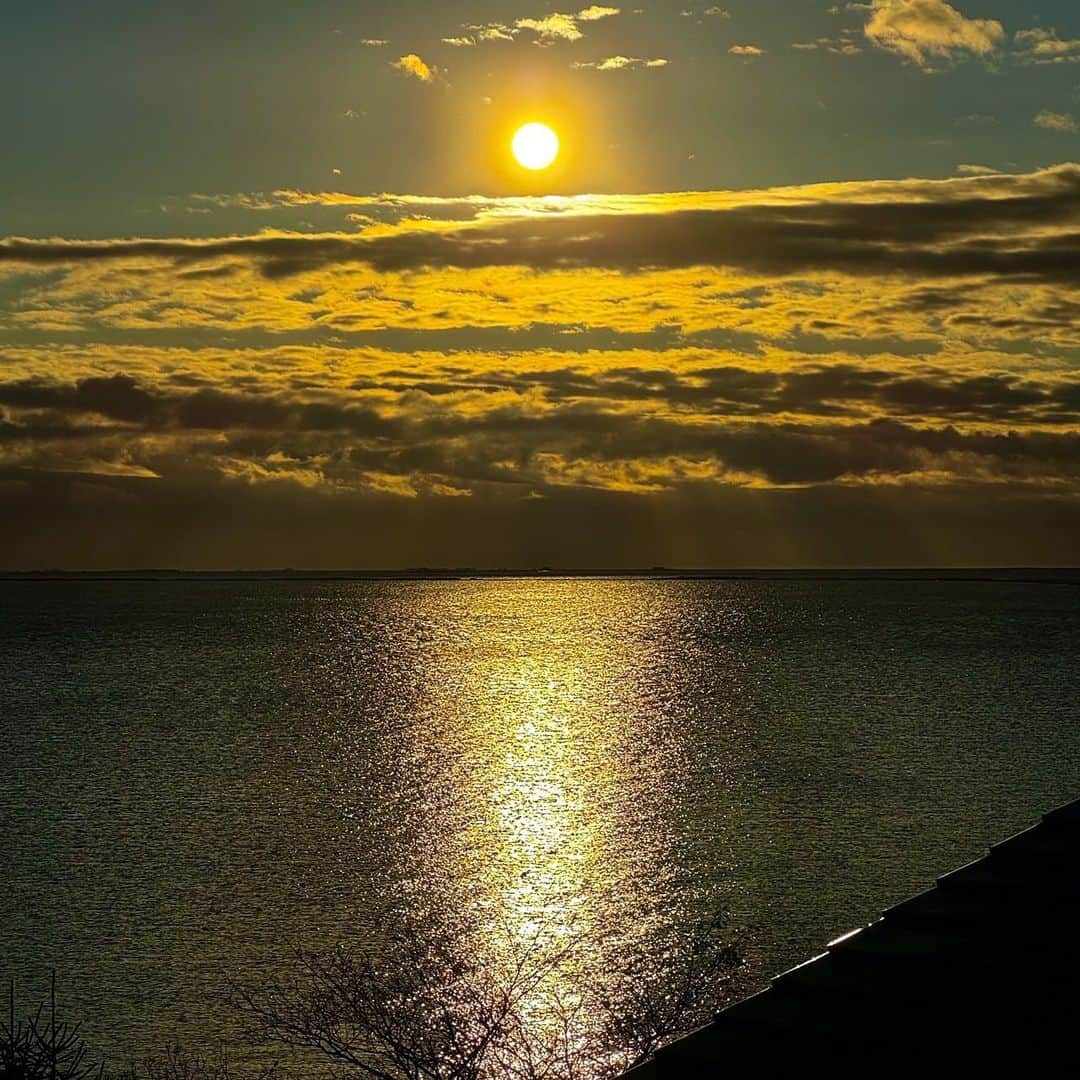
[
  {"x": 122, "y": 398},
  {"x": 516, "y": 447},
  {"x": 118, "y": 397},
  {"x": 836, "y": 389},
  {"x": 1014, "y": 226},
  {"x": 581, "y": 398}
]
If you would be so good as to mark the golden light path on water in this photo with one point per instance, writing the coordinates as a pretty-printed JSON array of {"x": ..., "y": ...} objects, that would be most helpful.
[
  {"x": 545, "y": 749},
  {"x": 553, "y": 697},
  {"x": 549, "y": 845}
]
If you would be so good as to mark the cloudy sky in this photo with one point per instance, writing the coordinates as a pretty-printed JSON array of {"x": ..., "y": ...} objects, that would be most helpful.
[{"x": 802, "y": 288}]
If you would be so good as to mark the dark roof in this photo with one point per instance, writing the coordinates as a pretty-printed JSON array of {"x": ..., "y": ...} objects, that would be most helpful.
[{"x": 980, "y": 972}]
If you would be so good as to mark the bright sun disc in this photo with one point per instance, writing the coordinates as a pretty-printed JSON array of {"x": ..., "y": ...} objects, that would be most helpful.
[{"x": 535, "y": 146}]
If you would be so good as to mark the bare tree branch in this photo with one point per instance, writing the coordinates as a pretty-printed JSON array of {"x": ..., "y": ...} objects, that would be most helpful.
[{"x": 428, "y": 1002}]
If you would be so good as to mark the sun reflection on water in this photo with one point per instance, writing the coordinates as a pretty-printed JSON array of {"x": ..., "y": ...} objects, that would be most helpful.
[
  {"x": 538, "y": 806},
  {"x": 553, "y": 700},
  {"x": 536, "y": 742},
  {"x": 548, "y": 693},
  {"x": 542, "y": 687}
]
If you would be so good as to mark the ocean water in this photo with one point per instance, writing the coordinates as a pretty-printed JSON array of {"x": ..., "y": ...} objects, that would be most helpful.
[{"x": 199, "y": 777}]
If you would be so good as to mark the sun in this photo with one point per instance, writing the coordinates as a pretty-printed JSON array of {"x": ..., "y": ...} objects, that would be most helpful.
[{"x": 535, "y": 146}]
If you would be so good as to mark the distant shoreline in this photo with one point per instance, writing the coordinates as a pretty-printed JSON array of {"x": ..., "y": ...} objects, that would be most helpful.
[{"x": 1013, "y": 575}]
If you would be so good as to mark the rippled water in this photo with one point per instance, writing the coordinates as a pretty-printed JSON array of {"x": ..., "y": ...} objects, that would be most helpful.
[{"x": 198, "y": 777}]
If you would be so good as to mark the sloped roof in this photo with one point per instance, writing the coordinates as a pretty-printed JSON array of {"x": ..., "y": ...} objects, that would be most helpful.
[{"x": 982, "y": 972}]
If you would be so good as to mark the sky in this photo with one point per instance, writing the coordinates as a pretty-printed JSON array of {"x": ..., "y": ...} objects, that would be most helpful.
[{"x": 801, "y": 289}]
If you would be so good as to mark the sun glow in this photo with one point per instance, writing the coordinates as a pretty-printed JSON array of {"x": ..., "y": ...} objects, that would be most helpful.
[{"x": 535, "y": 146}]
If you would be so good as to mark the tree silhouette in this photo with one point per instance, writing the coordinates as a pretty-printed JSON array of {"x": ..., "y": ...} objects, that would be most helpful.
[
  {"x": 39, "y": 1047},
  {"x": 431, "y": 1003}
]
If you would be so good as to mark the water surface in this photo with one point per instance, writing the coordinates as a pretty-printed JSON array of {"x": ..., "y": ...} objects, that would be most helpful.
[{"x": 200, "y": 776}]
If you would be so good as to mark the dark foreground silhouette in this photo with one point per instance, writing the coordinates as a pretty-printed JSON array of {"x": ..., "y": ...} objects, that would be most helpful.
[{"x": 979, "y": 976}]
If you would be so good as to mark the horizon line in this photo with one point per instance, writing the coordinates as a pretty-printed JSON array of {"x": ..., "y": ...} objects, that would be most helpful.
[{"x": 421, "y": 572}]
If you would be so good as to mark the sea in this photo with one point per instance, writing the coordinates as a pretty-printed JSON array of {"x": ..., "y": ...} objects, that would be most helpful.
[{"x": 200, "y": 776}]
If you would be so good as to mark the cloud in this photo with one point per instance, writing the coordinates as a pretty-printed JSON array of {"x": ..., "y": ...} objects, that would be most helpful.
[
  {"x": 1043, "y": 46},
  {"x": 552, "y": 27},
  {"x": 746, "y": 50},
  {"x": 1055, "y": 121},
  {"x": 618, "y": 63},
  {"x": 492, "y": 32},
  {"x": 976, "y": 170},
  {"x": 1024, "y": 227},
  {"x": 842, "y": 45},
  {"x": 882, "y": 355},
  {"x": 478, "y": 33},
  {"x": 596, "y": 11},
  {"x": 926, "y": 30},
  {"x": 291, "y": 433},
  {"x": 900, "y": 267},
  {"x": 562, "y": 27},
  {"x": 374, "y": 43},
  {"x": 720, "y": 422},
  {"x": 413, "y": 66}
]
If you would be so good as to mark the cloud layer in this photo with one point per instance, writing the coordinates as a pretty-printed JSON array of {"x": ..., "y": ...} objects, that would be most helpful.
[{"x": 848, "y": 350}]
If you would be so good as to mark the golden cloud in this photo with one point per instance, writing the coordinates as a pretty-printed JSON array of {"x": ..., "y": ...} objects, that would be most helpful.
[
  {"x": 412, "y": 65},
  {"x": 618, "y": 63},
  {"x": 564, "y": 27},
  {"x": 894, "y": 335},
  {"x": 925, "y": 30}
]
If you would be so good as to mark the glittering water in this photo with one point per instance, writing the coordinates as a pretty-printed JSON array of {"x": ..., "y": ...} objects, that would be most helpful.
[{"x": 198, "y": 777}]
